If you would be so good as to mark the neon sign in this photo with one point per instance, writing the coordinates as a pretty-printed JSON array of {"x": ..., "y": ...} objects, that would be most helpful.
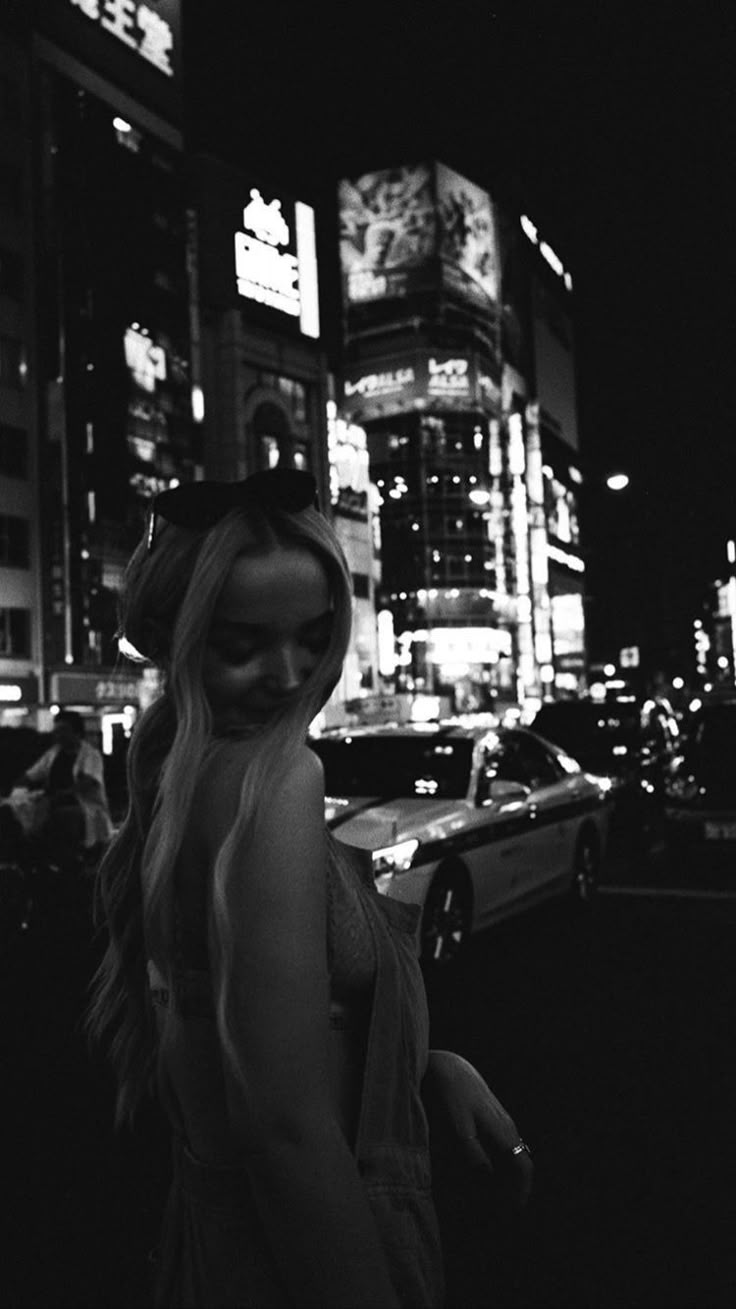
[
  {"x": 448, "y": 377},
  {"x": 562, "y": 557},
  {"x": 380, "y": 384},
  {"x": 555, "y": 263},
  {"x": 145, "y": 359},
  {"x": 283, "y": 279},
  {"x": 137, "y": 26}
]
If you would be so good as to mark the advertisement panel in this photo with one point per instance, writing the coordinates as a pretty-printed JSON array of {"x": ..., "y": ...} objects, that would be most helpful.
[
  {"x": 421, "y": 379},
  {"x": 138, "y": 46},
  {"x": 347, "y": 448},
  {"x": 100, "y": 688},
  {"x": 257, "y": 247},
  {"x": 467, "y": 237},
  {"x": 388, "y": 231}
]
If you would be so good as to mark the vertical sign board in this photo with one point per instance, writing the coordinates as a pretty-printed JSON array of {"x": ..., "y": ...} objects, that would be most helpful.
[
  {"x": 276, "y": 259},
  {"x": 257, "y": 249}
]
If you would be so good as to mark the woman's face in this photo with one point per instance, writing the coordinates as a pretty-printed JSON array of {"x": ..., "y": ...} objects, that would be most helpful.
[{"x": 271, "y": 626}]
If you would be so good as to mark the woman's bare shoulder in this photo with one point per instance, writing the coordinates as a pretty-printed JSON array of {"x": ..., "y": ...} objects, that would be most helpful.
[{"x": 217, "y": 797}]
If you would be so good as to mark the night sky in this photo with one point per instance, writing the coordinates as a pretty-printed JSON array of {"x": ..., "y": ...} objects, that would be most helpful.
[{"x": 615, "y": 125}]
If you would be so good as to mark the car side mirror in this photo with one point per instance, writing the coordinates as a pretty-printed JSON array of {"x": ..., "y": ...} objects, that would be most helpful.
[{"x": 496, "y": 790}]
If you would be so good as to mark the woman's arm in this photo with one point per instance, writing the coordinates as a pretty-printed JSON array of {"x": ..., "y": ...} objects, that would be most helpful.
[
  {"x": 306, "y": 1182},
  {"x": 471, "y": 1131}
]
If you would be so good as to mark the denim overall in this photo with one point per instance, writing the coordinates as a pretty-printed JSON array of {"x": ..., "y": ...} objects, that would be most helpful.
[{"x": 213, "y": 1250}]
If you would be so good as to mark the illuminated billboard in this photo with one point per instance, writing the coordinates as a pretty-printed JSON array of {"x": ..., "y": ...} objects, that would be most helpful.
[
  {"x": 256, "y": 248},
  {"x": 468, "y": 242},
  {"x": 137, "y": 44},
  {"x": 418, "y": 227},
  {"x": 276, "y": 260},
  {"x": 347, "y": 448},
  {"x": 434, "y": 380},
  {"x": 387, "y": 228}
]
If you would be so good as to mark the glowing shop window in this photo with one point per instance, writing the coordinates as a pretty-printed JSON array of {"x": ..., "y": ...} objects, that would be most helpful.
[{"x": 270, "y": 452}]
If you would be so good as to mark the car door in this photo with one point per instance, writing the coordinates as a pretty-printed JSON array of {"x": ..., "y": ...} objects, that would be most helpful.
[
  {"x": 501, "y": 819},
  {"x": 543, "y": 854}
]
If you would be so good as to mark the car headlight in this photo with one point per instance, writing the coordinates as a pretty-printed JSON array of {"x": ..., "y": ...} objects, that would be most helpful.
[{"x": 392, "y": 859}]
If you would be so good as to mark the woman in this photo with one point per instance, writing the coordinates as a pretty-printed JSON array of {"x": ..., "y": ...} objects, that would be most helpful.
[{"x": 253, "y": 973}]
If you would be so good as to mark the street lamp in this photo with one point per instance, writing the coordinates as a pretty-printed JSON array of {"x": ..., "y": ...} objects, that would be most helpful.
[{"x": 617, "y": 481}]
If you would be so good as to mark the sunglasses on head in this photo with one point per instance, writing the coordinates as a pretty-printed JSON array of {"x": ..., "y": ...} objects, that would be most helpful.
[{"x": 200, "y": 505}]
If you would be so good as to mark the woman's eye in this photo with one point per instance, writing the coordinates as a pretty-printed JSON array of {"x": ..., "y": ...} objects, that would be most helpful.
[
  {"x": 234, "y": 654},
  {"x": 317, "y": 642}
]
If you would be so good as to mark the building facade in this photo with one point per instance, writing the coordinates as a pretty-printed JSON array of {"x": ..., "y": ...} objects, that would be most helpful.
[
  {"x": 100, "y": 415},
  {"x": 458, "y": 362}
]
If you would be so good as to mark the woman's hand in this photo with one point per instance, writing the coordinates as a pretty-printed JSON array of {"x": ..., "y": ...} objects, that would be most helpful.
[{"x": 470, "y": 1131}]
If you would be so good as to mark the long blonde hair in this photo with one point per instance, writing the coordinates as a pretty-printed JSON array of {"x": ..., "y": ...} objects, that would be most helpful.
[{"x": 166, "y": 609}]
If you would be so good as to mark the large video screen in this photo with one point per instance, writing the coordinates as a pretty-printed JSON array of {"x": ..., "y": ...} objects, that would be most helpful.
[
  {"x": 387, "y": 227},
  {"x": 422, "y": 226},
  {"x": 468, "y": 244}
]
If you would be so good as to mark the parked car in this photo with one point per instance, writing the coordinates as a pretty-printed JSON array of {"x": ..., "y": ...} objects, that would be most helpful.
[
  {"x": 700, "y": 793},
  {"x": 471, "y": 823},
  {"x": 631, "y": 740}
]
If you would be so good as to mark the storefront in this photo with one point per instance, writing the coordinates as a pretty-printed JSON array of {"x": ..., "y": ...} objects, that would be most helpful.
[
  {"x": 18, "y": 701},
  {"x": 109, "y": 702}
]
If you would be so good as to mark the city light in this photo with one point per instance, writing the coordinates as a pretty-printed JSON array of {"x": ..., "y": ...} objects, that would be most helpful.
[
  {"x": 197, "y": 404},
  {"x": 617, "y": 481}
]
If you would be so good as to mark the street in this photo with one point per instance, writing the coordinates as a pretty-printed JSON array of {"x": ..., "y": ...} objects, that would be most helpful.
[{"x": 607, "y": 1034}]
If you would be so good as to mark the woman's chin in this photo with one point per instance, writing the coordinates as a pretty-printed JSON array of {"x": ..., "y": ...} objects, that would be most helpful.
[{"x": 238, "y": 719}]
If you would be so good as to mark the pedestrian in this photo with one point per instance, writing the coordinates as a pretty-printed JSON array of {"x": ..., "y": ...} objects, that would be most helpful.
[
  {"x": 74, "y": 814},
  {"x": 254, "y": 977}
]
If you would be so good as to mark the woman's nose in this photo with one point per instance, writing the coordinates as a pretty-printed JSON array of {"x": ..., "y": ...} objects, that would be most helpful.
[{"x": 285, "y": 667}]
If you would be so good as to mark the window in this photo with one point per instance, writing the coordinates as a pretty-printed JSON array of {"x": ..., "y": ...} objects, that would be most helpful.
[
  {"x": 15, "y": 633},
  {"x": 361, "y": 586},
  {"x": 12, "y": 363},
  {"x": 270, "y": 452},
  {"x": 15, "y": 550},
  {"x": 521, "y": 759},
  {"x": 394, "y": 766},
  {"x": 300, "y": 456},
  {"x": 293, "y": 392},
  {"x": 13, "y": 451},
  {"x": 11, "y": 274}
]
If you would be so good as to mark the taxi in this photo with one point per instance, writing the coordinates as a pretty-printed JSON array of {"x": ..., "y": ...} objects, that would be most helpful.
[{"x": 470, "y": 822}]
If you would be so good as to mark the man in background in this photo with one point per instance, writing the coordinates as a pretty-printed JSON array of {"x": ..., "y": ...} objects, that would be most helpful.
[{"x": 71, "y": 776}]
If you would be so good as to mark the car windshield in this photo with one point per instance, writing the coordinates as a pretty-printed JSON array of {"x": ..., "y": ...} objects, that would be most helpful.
[
  {"x": 395, "y": 766},
  {"x": 591, "y": 733}
]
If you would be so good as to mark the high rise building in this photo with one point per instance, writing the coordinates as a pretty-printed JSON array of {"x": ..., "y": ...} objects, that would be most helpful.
[
  {"x": 458, "y": 364},
  {"x": 554, "y": 459},
  {"x": 96, "y": 371}
]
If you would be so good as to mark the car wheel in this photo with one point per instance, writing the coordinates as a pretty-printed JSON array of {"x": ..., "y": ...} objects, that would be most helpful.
[
  {"x": 586, "y": 866},
  {"x": 446, "y": 918}
]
